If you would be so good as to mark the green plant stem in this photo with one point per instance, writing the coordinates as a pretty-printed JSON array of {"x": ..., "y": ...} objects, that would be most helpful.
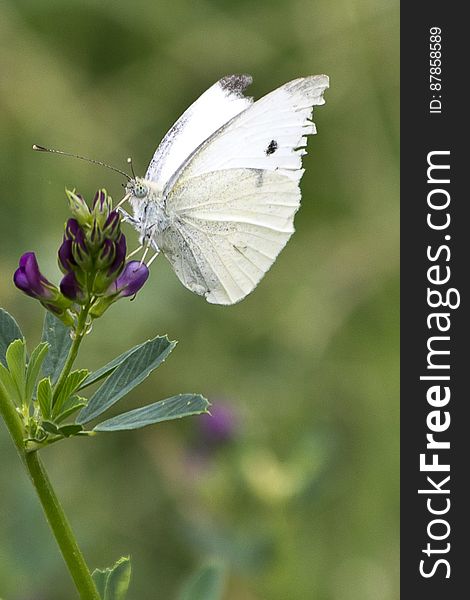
[
  {"x": 12, "y": 420},
  {"x": 72, "y": 355},
  {"x": 50, "y": 503},
  {"x": 61, "y": 529}
]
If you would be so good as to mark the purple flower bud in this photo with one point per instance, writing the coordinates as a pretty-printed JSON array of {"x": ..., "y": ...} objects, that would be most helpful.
[
  {"x": 120, "y": 256},
  {"x": 80, "y": 240},
  {"x": 66, "y": 259},
  {"x": 80, "y": 250},
  {"x": 99, "y": 199},
  {"x": 30, "y": 280},
  {"x": 111, "y": 226},
  {"x": 70, "y": 287},
  {"x": 71, "y": 229},
  {"x": 129, "y": 282},
  {"x": 106, "y": 255},
  {"x": 78, "y": 207}
]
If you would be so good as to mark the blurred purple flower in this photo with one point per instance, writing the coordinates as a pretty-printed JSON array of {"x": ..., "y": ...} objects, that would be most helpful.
[{"x": 220, "y": 426}]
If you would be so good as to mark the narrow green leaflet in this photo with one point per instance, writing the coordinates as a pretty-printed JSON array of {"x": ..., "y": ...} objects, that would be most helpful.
[
  {"x": 58, "y": 336},
  {"x": 16, "y": 362},
  {"x": 113, "y": 583},
  {"x": 9, "y": 331},
  {"x": 183, "y": 405},
  {"x": 34, "y": 366},
  {"x": 70, "y": 406},
  {"x": 8, "y": 383},
  {"x": 45, "y": 397},
  {"x": 71, "y": 385},
  {"x": 132, "y": 371},
  {"x": 69, "y": 430},
  {"x": 108, "y": 368},
  {"x": 205, "y": 584}
]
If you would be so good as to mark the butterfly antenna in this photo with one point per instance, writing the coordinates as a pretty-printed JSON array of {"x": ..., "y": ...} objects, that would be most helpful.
[
  {"x": 129, "y": 162},
  {"x": 90, "y": 160}
]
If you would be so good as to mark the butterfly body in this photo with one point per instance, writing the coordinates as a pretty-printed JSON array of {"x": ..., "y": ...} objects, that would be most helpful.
[{"x": 220, "y": 194}]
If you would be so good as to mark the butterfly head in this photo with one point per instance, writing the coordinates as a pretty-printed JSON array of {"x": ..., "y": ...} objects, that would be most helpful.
[{"x": 137, "y": 188}]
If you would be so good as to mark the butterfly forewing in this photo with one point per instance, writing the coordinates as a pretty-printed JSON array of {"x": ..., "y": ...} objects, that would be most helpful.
[
  {"x": 270, "y": 134},
  {"x": 218, "y": 105}
]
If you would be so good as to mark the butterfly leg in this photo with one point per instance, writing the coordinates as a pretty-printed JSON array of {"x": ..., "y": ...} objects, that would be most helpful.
[
  {"x": 126, "y": 217},
  {"x": 153, "y": 258},
  {"x": 134, "y": 252},
  {"x": 144, "y": 255},
  {"x": 121, "y": 202}
]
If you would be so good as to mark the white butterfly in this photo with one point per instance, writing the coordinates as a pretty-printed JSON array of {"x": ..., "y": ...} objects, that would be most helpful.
[{"x": 220, "y": 194}]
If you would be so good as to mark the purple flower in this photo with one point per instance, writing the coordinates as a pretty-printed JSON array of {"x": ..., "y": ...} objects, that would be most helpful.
[
  {"x": 120, "y": 256},
  {"x": 92, "y": 257},
  {"x": 129, "y": 282},
  {"x": 29, "y": 279},
  {"x": 99, "y": 199},
  {"x": 66, "y": 259},
  {"x": 71, "y": 229},
  {"x": 111, "y": 225},
  {"x": 71, "y": 288}
]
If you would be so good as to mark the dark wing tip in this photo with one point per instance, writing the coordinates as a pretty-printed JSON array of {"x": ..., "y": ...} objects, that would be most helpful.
[{"x": 235, "y": 84}]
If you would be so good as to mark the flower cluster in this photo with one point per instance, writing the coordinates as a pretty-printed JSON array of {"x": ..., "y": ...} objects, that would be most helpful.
[{"x": 92, "y": 258}]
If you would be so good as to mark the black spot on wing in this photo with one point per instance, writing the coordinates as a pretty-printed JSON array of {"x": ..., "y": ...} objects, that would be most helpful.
[
  {"x": 235, "y": 84},
  {"x": 272, "y": 147}
]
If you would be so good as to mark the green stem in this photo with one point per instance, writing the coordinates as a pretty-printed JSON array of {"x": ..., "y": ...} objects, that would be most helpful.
[
  {"x": 50, "y": 503},
  {"x": 61, "y": 529},
  {"x": 72, "y": 355},
  {"x": 12, "y": 420}
]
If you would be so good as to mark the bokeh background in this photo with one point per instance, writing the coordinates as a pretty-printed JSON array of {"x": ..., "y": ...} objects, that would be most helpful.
[{"x": 301, "y": 496}]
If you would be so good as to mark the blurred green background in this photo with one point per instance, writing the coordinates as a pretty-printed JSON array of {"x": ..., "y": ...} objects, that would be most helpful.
[{"x": 302, "y": 503}]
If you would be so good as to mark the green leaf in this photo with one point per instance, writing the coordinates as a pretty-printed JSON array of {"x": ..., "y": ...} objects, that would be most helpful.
[
  {"x": 118, "y": 580},
  {"x": 113, "y": 583},
  {"x": 183, "y": 405},
  {"x": 16, "y": 362},
  {"x": 8, "y": 383},
  {"x": 9, "y": 331},
  {"x": 34, "y": 366},
  {"x": 69, "y": 430},
  {"x": 70, "y": 406},
  {"x": 100, "y": 577},
  {"x": 58, "y": 336},
  {"x": 109, "y": 367},
  {"x": 45, "y": 397},
  {"x": 205, "y": 584},
  {"x": 50, "y": 427},
  {"x": 133, "y": 370},
  {"x": 71, "y": 385}
]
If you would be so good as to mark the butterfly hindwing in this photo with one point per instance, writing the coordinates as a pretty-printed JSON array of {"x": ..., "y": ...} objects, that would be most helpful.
[{"x": 228, "y": 227}]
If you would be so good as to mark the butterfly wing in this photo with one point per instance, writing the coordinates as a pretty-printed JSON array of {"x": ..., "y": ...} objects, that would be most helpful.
[
  {"x": 270, "y": 134},
  {"x": 218, "y": 105},
  {"x": 232, "y": 203},
  {"x": 227, "y": 229}
]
